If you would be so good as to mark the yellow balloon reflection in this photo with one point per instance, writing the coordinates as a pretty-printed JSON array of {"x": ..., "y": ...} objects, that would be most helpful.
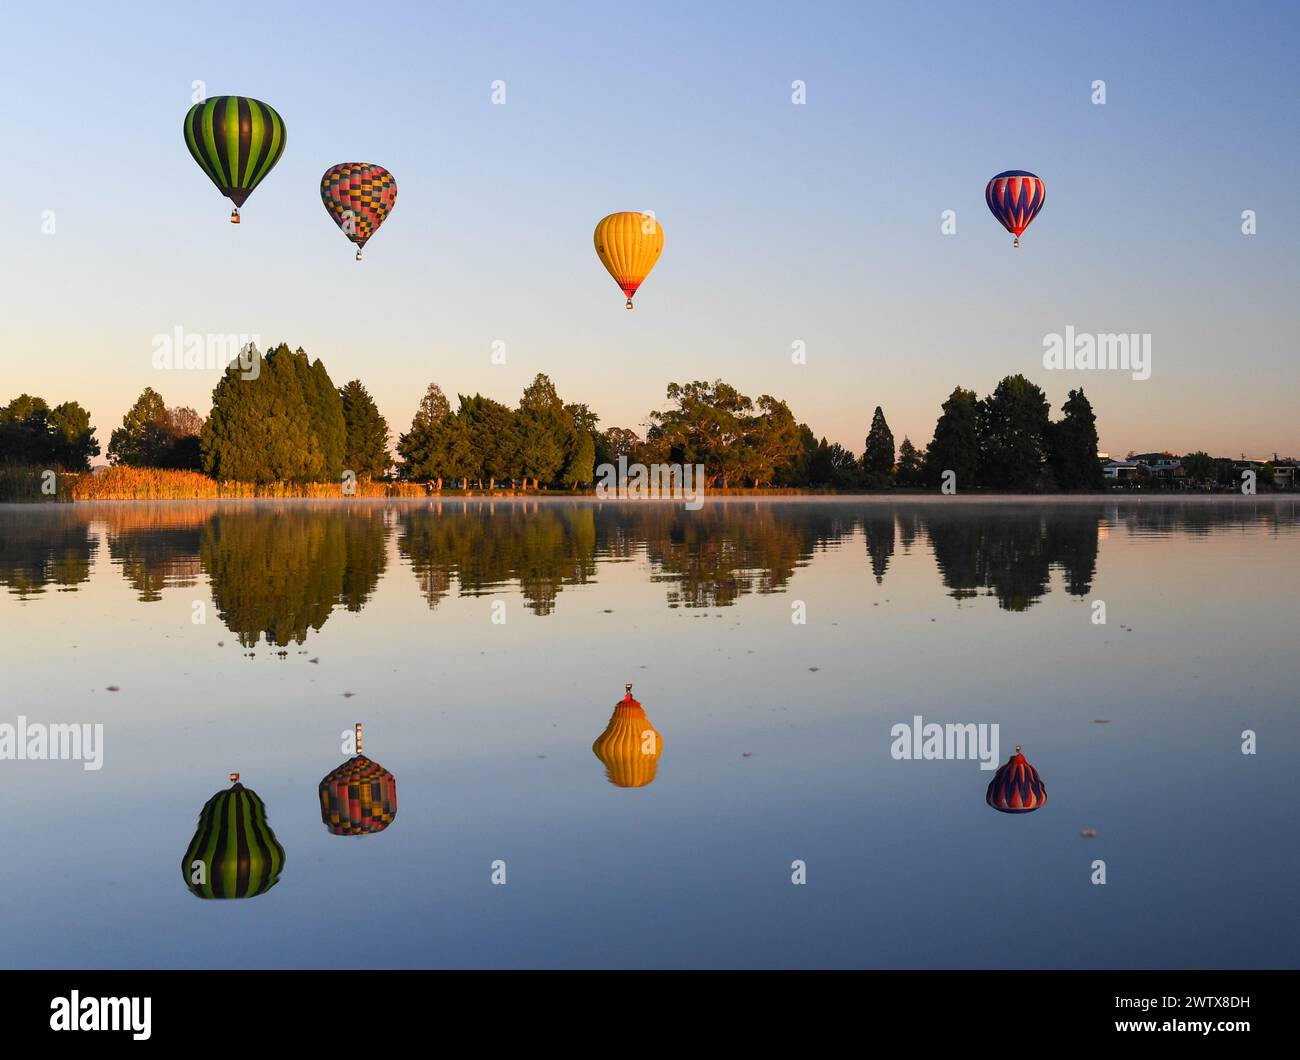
[{"x": 630, "y": 746}]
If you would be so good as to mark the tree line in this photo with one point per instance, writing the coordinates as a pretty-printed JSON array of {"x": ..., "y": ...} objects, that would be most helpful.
[{"x": 279, "y": 417}]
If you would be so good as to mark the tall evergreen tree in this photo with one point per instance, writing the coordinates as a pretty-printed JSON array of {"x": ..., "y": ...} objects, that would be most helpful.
[
  {"x": 326, "y": 407},
  {"x": 1013, "y": 426},
  {"x": 909, "y": 463},
  {"x": 1073, "y": 449},
  {"x": 436, "y": 446},
  {"x": 545, "y": 432},
  {"x": 493, "y": 438},
  {"x": 365, "y": 451},
  {"x": 955, "y": 445},
  {"x": 580, "y": 458},
  {"x": 260, "y": 429},
  {"x": 580, "y": 462},
  {"x": 878, "y": 455}
]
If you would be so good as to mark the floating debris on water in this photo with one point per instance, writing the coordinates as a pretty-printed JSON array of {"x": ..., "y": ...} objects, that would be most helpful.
[
  {"x": 1088, "y": 833},
  {"x": 113, "y": 688}
]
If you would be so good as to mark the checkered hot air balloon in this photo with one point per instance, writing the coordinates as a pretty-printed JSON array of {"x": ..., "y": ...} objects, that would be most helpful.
[
  {"x": 358, "y": 798},
  {"x": 1014, "y": 198},
  {"x": 234, "y": 853},
  {"x": 630, "y": 746},
  {"x": 358, "y": 197},
  {"x": 1016, "y": 787}
]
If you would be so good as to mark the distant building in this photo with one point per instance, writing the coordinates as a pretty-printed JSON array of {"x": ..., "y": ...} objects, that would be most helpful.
[
  {"x": 1119, "y": 470},
  {"x": 1159, "y": 465}
]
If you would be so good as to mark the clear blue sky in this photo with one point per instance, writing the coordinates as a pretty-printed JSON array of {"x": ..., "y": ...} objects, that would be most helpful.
[{"x": 818, "y": 223}]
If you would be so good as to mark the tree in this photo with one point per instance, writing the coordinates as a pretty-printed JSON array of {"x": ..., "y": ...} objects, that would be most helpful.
[
  {"x": 545, "y": 430},
  {"x": 325, "y": 406},
  {"x": 33, "y": 433},
  {"x": 706, "y": 427},
  {"x": 878, "y": 456},
  {"x": 185, "y": 427},
  {"x": 260, "y": 429},
  {"x": 143, "y": 436},
  {"x": 493, "y": 441},
  {"x": 772, "y": 439},
  {"x": 365, "y": 449},
  {"x": 1073, "y": 446},
  {"x": 1200, "y": 466},
  {"x": 955, "y": 446},
  {"x": 795, "y": 469},
  {"x": 582, "y": 446},
  {"x": 1013, "y": 425},
  {"x": 25, "y": 431},
  {"x": 438, "y": 444},
  {"x": 153, "y": 435},
  {"x": 73, "y": 437},
  {"x": 580, "y": 464},
  {"x": 621, "y": 441},
  {"x": 909, "y": 463}
]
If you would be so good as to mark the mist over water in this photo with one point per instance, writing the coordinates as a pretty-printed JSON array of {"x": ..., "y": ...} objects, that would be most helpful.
[{"x": 485, "y": 643}]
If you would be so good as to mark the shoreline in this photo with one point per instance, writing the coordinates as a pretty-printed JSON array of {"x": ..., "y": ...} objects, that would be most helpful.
[{"x": 764, "y": 496}]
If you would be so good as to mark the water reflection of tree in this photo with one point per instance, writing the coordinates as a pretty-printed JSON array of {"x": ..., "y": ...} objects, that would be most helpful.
[
  {"x": 279, "y": 570},
  {"x": 39, "y": 548},
  {"x": 909, "y": 528},
  {"x": 879, "y": 532},
  {"x": 279, "y": 573},
  {"x": 157, "y": 553},
  {"x": 487, "y": 546},
  {"x": 713, "y": 556},
  {"x": 1010, "y": 552}
]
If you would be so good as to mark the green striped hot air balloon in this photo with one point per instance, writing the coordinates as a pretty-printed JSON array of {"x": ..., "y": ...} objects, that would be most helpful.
[
  {"x": 234, "y": 853},
  {"x": 236, "y": 141}
]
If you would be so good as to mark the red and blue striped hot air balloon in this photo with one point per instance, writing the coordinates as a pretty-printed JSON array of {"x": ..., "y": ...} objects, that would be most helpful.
[
  {"x": 1014, "y": 198},
  {"x": 1016, "y": 787}
]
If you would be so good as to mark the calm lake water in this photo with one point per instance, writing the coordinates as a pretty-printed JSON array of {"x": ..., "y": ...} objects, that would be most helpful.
[{"x": 485, "y": 643}]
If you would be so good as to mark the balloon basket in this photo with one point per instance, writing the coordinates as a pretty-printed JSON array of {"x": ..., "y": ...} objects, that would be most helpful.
[
  {"x": 629, "y": 303},
  {"x": 234, "y": 216}
]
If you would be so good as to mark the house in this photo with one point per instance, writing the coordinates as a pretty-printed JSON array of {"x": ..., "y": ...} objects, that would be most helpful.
[
  {"x": 1119, "y": 470},
  {"x": 1159, "y": 465}
]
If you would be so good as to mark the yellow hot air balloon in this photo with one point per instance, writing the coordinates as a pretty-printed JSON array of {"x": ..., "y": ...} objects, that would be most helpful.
[
  {"x": 630, "y": 746},
  {"x": 629, "y": 245}
]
